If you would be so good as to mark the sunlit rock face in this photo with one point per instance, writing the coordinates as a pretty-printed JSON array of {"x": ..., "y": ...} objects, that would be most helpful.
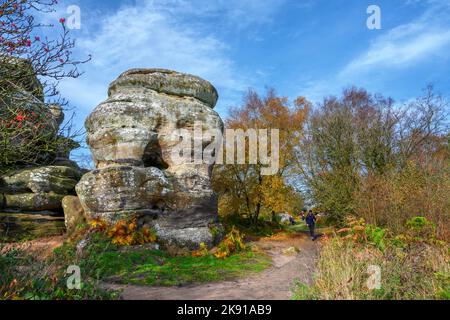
[
  {"x": 38, "y": 185},
  {"x": 131, "y": 136}
]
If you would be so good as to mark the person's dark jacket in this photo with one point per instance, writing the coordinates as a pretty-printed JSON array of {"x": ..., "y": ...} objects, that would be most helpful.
[{"x": 310, "y": 220}]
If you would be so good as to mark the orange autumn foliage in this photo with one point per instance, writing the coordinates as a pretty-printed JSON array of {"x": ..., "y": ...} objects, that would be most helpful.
[{"x": 124, "y": 233}]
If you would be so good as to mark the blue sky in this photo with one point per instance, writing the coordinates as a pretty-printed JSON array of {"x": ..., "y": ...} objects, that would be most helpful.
[{"x": 312, "y": 48}]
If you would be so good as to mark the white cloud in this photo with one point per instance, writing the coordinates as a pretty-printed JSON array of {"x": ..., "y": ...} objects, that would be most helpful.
[
  {"x": 400, "y": 51},
  {"x": 407, "y": 44},
  {"x": 173, "y": 34},
  {"x": 235, "y": 14}
]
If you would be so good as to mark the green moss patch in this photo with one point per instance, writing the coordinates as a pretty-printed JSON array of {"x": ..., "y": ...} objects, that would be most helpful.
[{"x": 157, "y": 268}]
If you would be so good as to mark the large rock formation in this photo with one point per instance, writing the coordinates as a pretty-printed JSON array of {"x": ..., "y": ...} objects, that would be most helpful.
[
  {"x": 31, "y": 196},
  {"x": 131, "y": 136}
]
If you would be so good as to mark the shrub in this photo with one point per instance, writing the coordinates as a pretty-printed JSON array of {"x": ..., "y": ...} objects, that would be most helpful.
[
  {"x": 395, "y": 198},
  {"x": 232, "y": 243},
  {"x": 202, "y": 251},
  {"x": 411, "y": 268},
  {"x": 124, "y": 233}
]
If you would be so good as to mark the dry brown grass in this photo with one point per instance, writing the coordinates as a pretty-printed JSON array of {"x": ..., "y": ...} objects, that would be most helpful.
[{"x": 394, "y": 198}]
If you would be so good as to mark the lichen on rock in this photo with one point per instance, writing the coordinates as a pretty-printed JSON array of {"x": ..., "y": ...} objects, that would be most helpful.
[{"x": 131, "y": 138}]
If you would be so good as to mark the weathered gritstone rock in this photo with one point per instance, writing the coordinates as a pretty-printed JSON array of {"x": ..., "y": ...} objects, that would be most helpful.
[
  {"x": 20, "y": 72},
  {"x": 73, "y": 213},
  {"x": 131, "y": 136},
  {"x": 38, "y": 189},
  {"x": 29, "y": 191},
  {"x": 21, "y": 226},
  {"x": 118, "y": 192}
]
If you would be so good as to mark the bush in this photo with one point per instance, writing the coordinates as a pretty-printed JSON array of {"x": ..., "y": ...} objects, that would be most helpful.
[
  {"x": 411, "y": 267},
  {"x": 394, "y": 198},
  {"x": 232, "y": 243},
  {"x": 124, "y": 233}
]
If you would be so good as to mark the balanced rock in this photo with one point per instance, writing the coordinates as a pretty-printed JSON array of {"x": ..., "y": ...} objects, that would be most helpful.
[{"x": 131, "y": 136}]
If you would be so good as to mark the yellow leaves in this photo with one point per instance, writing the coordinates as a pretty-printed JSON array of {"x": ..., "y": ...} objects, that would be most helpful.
[
  {"x": 203, "y": 251},
  {"x": 241, "y": 188},
  {"x": 276, "y": 195},
  {"x": 124, "y": 233},
  {"x": 343, "y": 230},
  {"x": 232, "y": 243},
  {"x": 98, "y": 224},
  {"x": 354, "y": 231},
  {"x": 221, "y": 254}
]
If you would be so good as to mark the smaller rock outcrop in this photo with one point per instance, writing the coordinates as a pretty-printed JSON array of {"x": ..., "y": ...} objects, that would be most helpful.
[
  {"x": 38, "y": 189},
  {"x": 73, "y": 213},
  {"x": 37, "y": 173}
]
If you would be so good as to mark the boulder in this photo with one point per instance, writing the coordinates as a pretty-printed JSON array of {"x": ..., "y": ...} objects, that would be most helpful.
[
  {"x": 23, "y": 226},
  {"x": 38, "y": 189},
  {"x": 120, "y": 192},
  {"x": 57, "y": 179},
  {"x": 285, "y": 218},
  {"x": 131, "y": 137},
  {"x": 20, "y": 72},
  {"x": 33, "y": 201},
  {"x": 73, "y": 213}
]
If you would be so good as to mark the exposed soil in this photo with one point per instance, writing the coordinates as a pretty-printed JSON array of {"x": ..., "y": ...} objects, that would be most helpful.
[
  {"x": 275, "y": 283},
  {"x": 39, "y": 248}
]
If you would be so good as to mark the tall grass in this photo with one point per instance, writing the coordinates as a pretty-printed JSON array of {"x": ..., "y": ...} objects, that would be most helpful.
[
  {"x": 394, "y": 198},
  {"x": 412, "y": 268}
]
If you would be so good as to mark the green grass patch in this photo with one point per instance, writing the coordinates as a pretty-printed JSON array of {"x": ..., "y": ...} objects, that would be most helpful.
[
  {"x": 262, "y": 228},
  {"x": 143, "y": 266},
  {"x": 302, "y": 227},
  {"x": 23, "y": 277},
  {"x": 157, "y": 268}
]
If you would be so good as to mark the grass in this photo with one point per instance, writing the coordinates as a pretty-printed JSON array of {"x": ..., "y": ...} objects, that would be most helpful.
[
  {"x": 25, "y": 277},
  {"x": 412, "y": 267},
  {"x": 141, "y": 265},
  {"x": 157, "y": 268}
]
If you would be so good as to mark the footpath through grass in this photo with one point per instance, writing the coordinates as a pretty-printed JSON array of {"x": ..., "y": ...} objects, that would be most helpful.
[
  {"x": 158, "y": 268},
  {"x": 25, "y": 277},
  {"x": 366, "y": 262}
]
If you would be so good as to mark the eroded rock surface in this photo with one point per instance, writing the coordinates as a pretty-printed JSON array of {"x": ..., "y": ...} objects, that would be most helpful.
[
  {"x": 38, "y": 189},
  {"x": 38, "y": 173},
  {"x": 131, "y": 136},
  {"x": 74, "y": 215}
]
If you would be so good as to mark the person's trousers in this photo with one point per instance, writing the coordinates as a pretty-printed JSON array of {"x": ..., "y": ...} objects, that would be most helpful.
[{"x": 311, "y": 231}]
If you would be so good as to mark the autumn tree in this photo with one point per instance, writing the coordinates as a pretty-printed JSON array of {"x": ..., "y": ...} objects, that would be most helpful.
[
  {"x": 360, "y": 137},
  {"x": 31, "y": 66},
  {"x": 243, "y": 188}
]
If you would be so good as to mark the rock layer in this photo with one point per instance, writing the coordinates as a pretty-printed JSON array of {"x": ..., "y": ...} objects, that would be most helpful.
[
  {"x": 38, "y": 189},
  {"x": 131, "y": 136}
]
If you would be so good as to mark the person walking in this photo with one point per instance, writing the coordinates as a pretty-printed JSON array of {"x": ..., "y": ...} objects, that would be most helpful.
[
  {"x": 311, "y": 223},
  {"x": 303, "y": 214}
]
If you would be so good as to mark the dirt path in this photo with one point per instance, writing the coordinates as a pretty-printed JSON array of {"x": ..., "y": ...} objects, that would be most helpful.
[
  {"x": 275, "y": 283},
  {"x": 40, "y": 248}
]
